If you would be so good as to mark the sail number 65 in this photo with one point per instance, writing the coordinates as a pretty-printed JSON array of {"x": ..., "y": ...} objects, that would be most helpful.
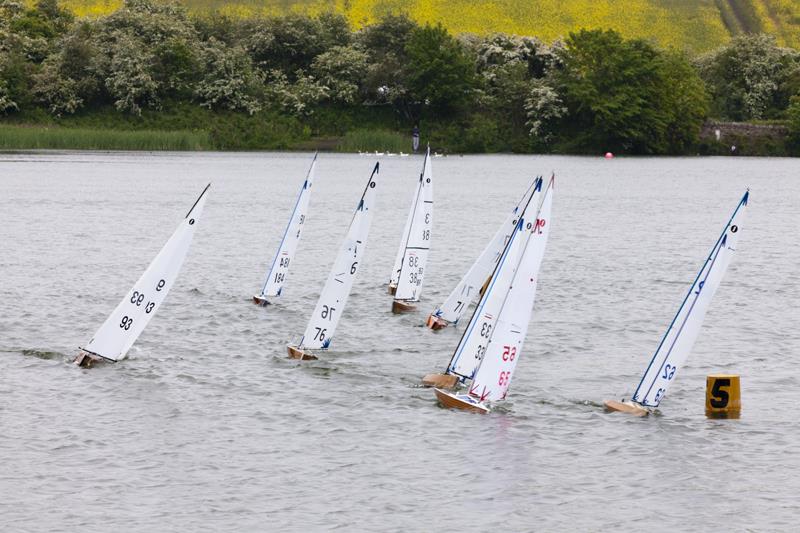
[{"x": 509, "y": 353}]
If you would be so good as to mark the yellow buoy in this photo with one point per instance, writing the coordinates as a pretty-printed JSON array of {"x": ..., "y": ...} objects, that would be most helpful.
[{"x": 723, "y": 396}]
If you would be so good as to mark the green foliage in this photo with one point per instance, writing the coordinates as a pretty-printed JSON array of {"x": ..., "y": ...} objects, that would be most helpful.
[
  {"x": 385, "y": 44},
  {"x": 440, "y": 75},
  {"x": 230, "y": 82},
  {"x": 750, "y": 78},
  {"x": 292, "y": 42},
  {"x": 341, "y": 70},
  {"x": 793, "y": 116},
  {"x": 278, "y": 82},
  {"x": 619, "y": 96}
]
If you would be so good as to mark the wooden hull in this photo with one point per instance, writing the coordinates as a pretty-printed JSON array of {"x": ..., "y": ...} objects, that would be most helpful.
[
  {"x": 626, "y": 407},
  {"x": 460, "y": 401},
  {"x": 297, "y": 353},
  {"x": 440, "y": 381},
  {"x": 260, "y": 300},
  {"x": 436, "y": 323},
  {"x": 400, "y": 306},
  {"x": 392, "y": 289},
  {"x": 86, "y": 359}
]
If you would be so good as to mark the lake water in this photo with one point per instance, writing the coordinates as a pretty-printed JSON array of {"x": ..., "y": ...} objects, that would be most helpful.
[{"x": 207, "y": 426}]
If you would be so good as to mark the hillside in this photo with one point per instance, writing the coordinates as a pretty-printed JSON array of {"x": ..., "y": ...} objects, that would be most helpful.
[{"x": 695, "y": 25}]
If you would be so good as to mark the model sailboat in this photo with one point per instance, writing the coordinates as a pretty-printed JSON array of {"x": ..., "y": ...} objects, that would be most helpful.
[
  {"x": 121, "y": 329},
  {"x": 409, "y": 265},
  {"x": 276, "y": 275},
  {"x": 330, "y": 306},
  {"x": 475, "y": 280},
  {"x": 682, "y": 333},
  {"x": 492, "y": 343}
]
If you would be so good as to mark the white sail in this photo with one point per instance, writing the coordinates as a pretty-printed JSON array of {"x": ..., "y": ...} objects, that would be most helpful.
[
  {"x": 681, "y": 334},
  {"x": 276, "y": 276},
  {"x": 330, "y": 306},
  {"x": 474, "y": 342},
  {"x": 496, "y": 370},
  {"x": 415, "y": 248},
  {"x": 468, "y": 288},
  {"x": 121, "y": 329}
]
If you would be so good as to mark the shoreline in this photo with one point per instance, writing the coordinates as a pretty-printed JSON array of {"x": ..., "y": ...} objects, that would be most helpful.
[{"x": 33, "y": 137}]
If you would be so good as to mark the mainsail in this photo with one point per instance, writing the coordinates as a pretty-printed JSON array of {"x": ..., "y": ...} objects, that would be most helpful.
[
  {"x": 333, "y": 298},
  {"x": 121, "y": 329},
  {"x": 496, "y": 369},
  {"x": 276, "y": 276},
  {"x": 682, "y": 333},
  {"x": 474, "y": 342},
  {"x": 412, "y": 256}
]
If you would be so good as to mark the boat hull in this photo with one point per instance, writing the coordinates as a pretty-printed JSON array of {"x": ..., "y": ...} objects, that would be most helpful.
[
  {"x": 440, "y": 381},
  {"x": 298, "y": 353},
  {"x": 436, "y": 323},
  {"x": 460, "y": 401},
  {"x": 260, "y": 300},
  {"x": 400, "y": 306},
  {"x": 625, "y": 407},
  {"x": 86, "y": 359}
]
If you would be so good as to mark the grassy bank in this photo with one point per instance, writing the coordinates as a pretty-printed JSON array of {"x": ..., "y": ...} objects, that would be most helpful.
[
  {"x": 181, "y": 126},
  {"x": 22, "y": 137}
]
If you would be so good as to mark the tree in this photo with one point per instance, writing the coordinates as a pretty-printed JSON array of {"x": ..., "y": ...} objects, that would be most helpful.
[
  {"x": 341, "y": 69},
  {"x": 229, "y": 80},
  {"x": 441, "y": 76},
  {"x": 385, "y": 43},
  {"x": 292, "y": 42},
  {"x": 751, "y": 77},
  {"x": 625, "y": 96}
]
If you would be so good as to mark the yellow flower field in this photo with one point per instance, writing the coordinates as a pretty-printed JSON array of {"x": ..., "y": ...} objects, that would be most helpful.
[{"x": 694, "y": 25}]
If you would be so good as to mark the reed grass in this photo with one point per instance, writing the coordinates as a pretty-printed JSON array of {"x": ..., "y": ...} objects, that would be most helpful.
[
  {"x": 21, "y": 137},
  {"x": 372, "y": 140}
]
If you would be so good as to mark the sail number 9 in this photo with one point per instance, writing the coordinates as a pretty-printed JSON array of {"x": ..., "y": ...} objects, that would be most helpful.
[
  {"x": 659, "y": 395},
  {"x": 160, "y": 285}
]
